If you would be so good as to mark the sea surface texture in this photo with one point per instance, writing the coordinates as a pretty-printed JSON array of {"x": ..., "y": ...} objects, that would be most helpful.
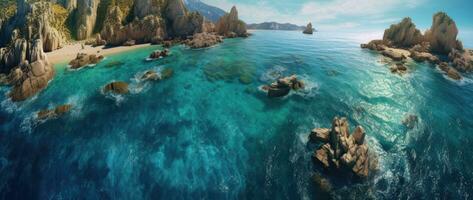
[{"x": 209, "y": 132}]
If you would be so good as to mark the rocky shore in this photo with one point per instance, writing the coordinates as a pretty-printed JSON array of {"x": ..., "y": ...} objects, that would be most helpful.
[
  {"x": 403, "y": 41},
  {"x": 283, "y": 86}
]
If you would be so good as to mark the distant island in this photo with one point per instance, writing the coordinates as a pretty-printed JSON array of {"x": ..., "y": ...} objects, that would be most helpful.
[{"x": 275, "y": 26}]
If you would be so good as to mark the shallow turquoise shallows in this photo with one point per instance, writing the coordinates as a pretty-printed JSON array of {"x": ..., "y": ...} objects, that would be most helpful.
[{"x": 208, "y": 132}]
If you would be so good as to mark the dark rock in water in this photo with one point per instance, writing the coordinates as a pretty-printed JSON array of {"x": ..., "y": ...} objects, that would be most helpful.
[
  {"x": 283, "y": 86},
  {"x": 322, "y": 186},
  {"x": 150, "y": 75},
  {"x": 58, "y": 111},
  {"x": 309, "y": 30},
  {"x": 118, "y": 87},
  {"x": 158, "y": 54},
  {"x": 167, "y": 73},
  {"x": 450, "y": 71},
  {"x": 410, "y": 121},
  {"x": 202, "y": 40},
  {"x": 344, "y": 151},
  {"x": 83, "y": 59},
  {"x": 114, "y": 64},
  {"x": 398, "y": 68}
]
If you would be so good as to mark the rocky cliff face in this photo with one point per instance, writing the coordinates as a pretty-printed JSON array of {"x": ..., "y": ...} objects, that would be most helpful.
[
  {"x": 182, "y": 22},
  {"x": 86, "y": 16},
  {"x": 230, "y": 26},
  {"x": 404, "y": 34},
  {"x": 443, "y": 34}
]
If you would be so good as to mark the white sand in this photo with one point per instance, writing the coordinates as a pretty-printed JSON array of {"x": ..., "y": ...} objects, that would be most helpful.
[{"x": 69, "y": 52}]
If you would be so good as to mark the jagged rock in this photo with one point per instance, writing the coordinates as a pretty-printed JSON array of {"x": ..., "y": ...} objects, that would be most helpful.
[
  {"x": 450, "y": 71},
  {"x": 202, "y": 40},
  {"x": 398, "y": 68},
  {"x": 283, "y": 86},
  {"x": 58, "y": 111},
  {"x": 376, "y": 45},
  {"x": 159, "y": 54},
  {"x": 462, "y": 60},
  {"x": 424, "y": 56},
  {"x": 86, "y": 14},
  {"x": 309, "y": 29},
  {"x": 183, "y": 22},
  {"x": 443, "y": 34},
  {"x": 208, "y": 27},
  {"x": 421, "y": 48},
  {"x": 343, "y": 149},
  {"x": 150, "y": 28},
  {"x": 396, "y": 54},
  {"x": 404, "y": 34},
  {"x": 83, "y": 59},
  {"x": 150, "y": 75},
  {"x": 320, "y": 134},
  {"x": 117, "y": 87},
  {"x": 230, "y": 26}
]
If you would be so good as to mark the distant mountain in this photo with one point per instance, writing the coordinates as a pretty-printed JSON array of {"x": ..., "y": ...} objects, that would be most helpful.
[
  {"x": 211, "y": 13},
  {"x": 275, "y": 26}
]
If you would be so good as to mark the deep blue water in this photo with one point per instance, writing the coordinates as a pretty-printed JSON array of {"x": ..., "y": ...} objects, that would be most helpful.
[{"x": 205, "y": 134}]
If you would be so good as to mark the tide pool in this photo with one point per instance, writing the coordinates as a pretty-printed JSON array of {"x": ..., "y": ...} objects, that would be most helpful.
[{"x": 208, "y": 132}]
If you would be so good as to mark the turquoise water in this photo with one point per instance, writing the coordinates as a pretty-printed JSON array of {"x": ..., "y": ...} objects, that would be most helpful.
[{"x": 209, "y": 133}]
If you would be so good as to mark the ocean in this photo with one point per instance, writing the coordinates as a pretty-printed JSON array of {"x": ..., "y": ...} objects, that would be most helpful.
[{"x": 209, "y": 132}]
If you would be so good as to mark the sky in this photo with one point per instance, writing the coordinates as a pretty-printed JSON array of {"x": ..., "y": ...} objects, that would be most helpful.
[{"x": 351, "y": 15}]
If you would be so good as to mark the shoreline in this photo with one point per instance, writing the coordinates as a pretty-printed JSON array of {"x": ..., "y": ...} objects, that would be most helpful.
[{"x": 69, "y": 52}]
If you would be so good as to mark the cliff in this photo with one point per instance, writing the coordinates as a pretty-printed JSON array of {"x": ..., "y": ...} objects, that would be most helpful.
[
  {"x": 230, "y": 26},
  {"x": 404, "y": 34},
  {"x": 443, "y": 34}
]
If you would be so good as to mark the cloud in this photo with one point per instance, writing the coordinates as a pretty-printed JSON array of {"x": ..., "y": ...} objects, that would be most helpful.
[{"x": 357, "y": 8}]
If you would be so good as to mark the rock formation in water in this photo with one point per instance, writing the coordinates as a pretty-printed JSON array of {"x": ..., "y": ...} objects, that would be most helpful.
[
  {"x": 442, "y": 36},
  {"x": 53, "y": 113},
  {"x": 308, "y": 29},
  {"x": 404, "y": 34},
  {"x": 342, "y": 151},
  {"x": 230, "y": 26},
  {"x": 440, "y": 39},
  {"x": 283, "y": 86},
  {"x": 159, "y": 54},
  {"x": 202, "y": 40},
  {"x": 83, "y": 59},
  {"x": 117, "y": 87}
]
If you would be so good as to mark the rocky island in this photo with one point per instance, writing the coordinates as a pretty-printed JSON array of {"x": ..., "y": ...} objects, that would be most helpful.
[{"x": 402, "y": 41}]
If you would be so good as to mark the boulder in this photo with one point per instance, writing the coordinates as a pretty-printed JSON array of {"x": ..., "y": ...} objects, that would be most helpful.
[
  {"x": 83, "y": 59},
  {"x": 410, "y": 121},
  {"x": 58, "y": 111},
  {"x": 230, "y": 26},
  {"x": 117, "y": 87},
  {"x": 396, "y": 54},
  {"x": 376, "y": 45},
  {"x": 442, "y": 36},
  {"x": 283, "y": 86},
  {"x": 450, "y": 71},
  {"x": 398, "y": 68},
  {"x": 202, "y": 40},
  {"x": 308, "y": 30},
  {"x": 150, "y": 75},
  {"x": 404, "y": 34},
  {"x": 159, "y": 54},
  {"x": 424, "y": 56}
]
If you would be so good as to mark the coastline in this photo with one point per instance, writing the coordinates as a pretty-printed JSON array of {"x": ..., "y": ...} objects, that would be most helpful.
[{"x": 69, "y": 52}]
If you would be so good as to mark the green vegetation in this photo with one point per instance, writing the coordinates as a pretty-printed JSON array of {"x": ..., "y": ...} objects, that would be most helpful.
[{"x": 59, "y": 20}]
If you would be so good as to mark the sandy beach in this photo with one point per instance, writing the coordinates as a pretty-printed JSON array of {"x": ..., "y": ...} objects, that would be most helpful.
[{"x": 69, "y": 52}]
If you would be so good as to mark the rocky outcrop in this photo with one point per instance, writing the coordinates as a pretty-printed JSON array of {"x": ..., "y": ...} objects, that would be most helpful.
[
  {"x": 398, "y": 68},
  {"x": 86, "y": 16},
  {"x": 118, "y": 87},
  {"x": 183, "y": 23},
  {"x": 54, "y": 113},
  {"x": 283, "y": 86},
  {"x": 33, "y": 73},
  {"x": 462, "y": 60},
  {"x": 202, "y": 40},
  {"x": 345, "y": 152},
  {"x": 395, "y": 54},
  {"x": 404, "y": 34},
  {"x": 442, "y": 36},
  {"x": 159, "y": 54},
  {"x": 450, "y": 71},
  {"x": 150, "y": 75},
  {"x": 83, "y": 59},
  {"x": 308, "y": 29},
  {"x": 230, "y": 26},
  {"x": 424, "y": 56}
]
